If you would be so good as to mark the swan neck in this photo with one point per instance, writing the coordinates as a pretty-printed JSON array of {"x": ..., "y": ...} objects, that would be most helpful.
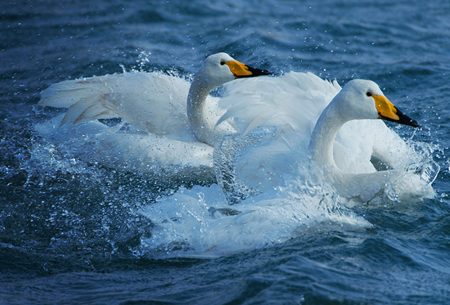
[
  {"x": 197, "y": 117},
  {"x": 324, "y": 135}
]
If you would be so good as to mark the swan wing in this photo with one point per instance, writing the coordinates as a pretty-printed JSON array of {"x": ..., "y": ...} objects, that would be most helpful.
[
  {"x": 293, "y": 100},
  {"x": 153, "y": 102}
]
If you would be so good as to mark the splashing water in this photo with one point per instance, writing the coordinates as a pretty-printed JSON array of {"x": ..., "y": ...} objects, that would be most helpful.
[{"x": 200, "y": 221}]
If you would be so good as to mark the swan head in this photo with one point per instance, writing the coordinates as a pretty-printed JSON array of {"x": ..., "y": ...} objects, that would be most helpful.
[
  {"x": 220, "y": 68},
  {"x": 363, "y": 99}
]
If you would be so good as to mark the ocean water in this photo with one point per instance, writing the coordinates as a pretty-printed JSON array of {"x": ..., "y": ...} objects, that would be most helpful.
[{"x": 79, "y": 232}]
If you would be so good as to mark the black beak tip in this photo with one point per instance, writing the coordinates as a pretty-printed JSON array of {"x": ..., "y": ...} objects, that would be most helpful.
[
  {"x": 414, "y": 123},
  {"x": 406, "y": 120},
  {"x": 258, "y": 72},
  {"x": 265, "y": 72}
]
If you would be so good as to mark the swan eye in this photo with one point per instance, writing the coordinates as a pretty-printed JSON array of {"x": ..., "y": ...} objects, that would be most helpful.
[
  {"x": 222, "y": 62},
  {"x": 369, "y": 93}
]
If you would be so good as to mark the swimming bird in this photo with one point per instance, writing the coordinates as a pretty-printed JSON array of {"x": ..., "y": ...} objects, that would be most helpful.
[
  {"x": 358, "y": 100},
  {"x": 315, "y": 120},
  {"x": 178, "y": 119}
]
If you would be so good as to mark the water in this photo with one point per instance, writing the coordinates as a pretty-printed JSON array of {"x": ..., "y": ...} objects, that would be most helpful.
[{"x": 77, "y": 232}]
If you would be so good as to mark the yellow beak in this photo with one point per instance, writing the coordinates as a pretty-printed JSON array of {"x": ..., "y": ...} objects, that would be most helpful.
[
  {"x": 241, "y": 70},
  {"x": 385, "y": 108},
  {"x": 387, "y": 111}
]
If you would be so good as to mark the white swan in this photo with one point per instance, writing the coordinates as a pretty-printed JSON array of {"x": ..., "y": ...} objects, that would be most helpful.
[
  {"x": 358, "y": 100},
  {"x": 179, "y": 120},
  {"x": 349, "y": 148}
]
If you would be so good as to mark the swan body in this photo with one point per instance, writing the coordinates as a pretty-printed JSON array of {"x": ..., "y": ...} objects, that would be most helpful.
[
  {"x": 174, "y": 121},
  {"x": 315, "y": 120},
  {"x": 358, "y": 100}
]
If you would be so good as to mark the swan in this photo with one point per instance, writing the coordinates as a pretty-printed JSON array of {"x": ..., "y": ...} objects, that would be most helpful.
[
  {"x": 174, "y": 122},
  {"x": 358, "y": 100},
  {"x": 317, "y": 122}
]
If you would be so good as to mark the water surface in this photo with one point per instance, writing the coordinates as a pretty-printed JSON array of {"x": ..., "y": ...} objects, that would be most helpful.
[{"x": 74, "y": 232}]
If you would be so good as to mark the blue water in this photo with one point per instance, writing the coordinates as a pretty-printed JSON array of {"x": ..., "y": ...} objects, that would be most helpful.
[{"x": 72, "y": 232}]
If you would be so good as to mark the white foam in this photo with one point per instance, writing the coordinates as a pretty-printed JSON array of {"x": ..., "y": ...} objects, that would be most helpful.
[{"x": 199, "y": 221}]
